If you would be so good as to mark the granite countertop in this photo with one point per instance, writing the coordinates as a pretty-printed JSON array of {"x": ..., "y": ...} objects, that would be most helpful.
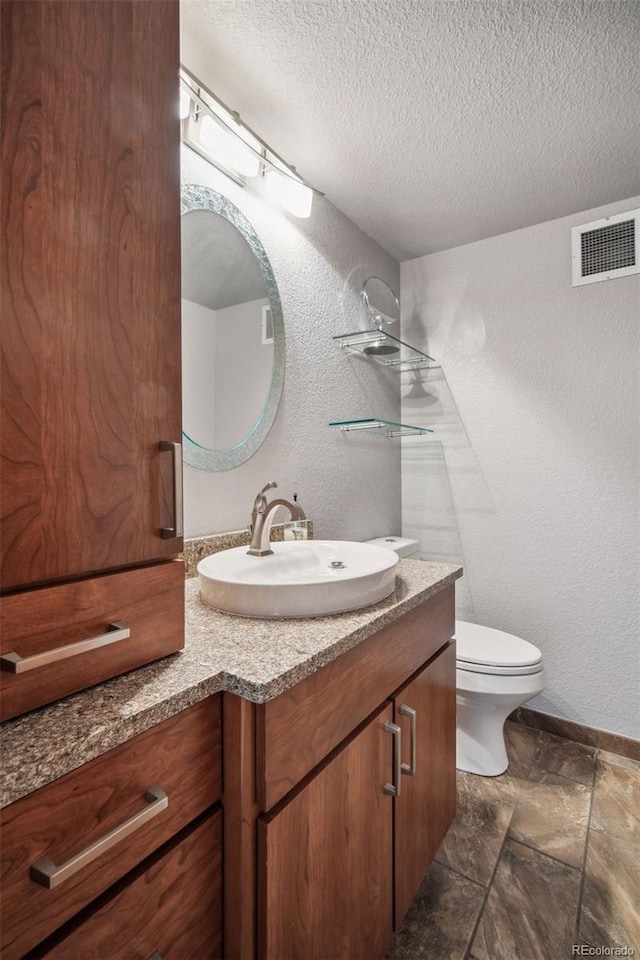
[{"x": 256, "y": 659}]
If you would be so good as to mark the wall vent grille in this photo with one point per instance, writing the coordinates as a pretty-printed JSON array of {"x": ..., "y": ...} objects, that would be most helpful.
[{"x": 605, "y": 249}]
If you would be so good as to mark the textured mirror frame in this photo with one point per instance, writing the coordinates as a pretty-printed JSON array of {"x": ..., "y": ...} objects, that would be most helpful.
[{"x": 196, "y": 197}]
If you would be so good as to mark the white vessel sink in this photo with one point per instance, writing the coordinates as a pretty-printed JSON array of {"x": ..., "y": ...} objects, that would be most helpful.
[{"x": 310, "y": 578}]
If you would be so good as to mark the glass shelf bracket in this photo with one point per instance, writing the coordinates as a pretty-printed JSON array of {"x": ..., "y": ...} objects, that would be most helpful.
[
  {"x": 388, "y": 428},
  {"x": 386, "y": 349}
]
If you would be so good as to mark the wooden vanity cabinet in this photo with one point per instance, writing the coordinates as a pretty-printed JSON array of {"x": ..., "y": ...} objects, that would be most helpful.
[
  {"x": 339, "y": 856},
  {"x": 68, "y": 849},
  {"x": 90, "y": 426},
  {"x": 425, "y": 711}
]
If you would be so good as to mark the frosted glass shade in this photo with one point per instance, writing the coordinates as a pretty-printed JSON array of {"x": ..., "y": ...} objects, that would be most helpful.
[
  {"x": 293, "y": 195},
  {"x": 228, "y": 148}
]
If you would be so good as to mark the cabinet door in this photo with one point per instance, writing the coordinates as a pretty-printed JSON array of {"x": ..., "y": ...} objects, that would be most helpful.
[
  {"x": 90, "y": 275},
  {"x": 325, "y": 858},
  {"x": 426, "y": 806}
]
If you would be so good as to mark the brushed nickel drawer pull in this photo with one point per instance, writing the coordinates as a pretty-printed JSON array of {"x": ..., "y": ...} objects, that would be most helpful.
[
  {"x": 14, "y": 663},
  {"x": 410, "y": 768},
  {"x": 155, "y": 956},
  {"x": 393, "y": 789},
  {"x": 175, "y": 449},
  {"x": 47, "y": 874}
]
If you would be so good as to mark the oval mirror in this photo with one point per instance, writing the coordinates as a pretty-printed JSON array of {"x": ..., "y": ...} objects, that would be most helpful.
[
  {"x": 233, "y": 347},
  {"x": 381, "y": 302}
]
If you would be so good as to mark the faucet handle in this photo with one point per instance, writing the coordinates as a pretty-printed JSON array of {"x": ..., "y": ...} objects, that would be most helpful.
[
  {"x": 268, "y": 486},
  {"x": 260, "y": 502}
]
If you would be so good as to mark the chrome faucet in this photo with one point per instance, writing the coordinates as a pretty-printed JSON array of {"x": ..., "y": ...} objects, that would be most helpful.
[{"x": 262, "y": 518}]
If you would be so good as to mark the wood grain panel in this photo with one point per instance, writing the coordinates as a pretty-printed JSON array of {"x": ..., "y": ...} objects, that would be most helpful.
[
  {"x": 426, "y": 806},
  {"x": 240, "y": 828},
  {"x": 325, "y": 882},
  {"x": 174, "y": 908},
  {"x": 148, "y": 600},
  {"x": 182, "y": 754},
  {"x": 300, "y": 727},
  {"x": 90, "y": 275}
]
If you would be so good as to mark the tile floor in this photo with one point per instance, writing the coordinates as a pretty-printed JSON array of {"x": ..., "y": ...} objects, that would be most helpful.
[{"x": 545, "y": 857}]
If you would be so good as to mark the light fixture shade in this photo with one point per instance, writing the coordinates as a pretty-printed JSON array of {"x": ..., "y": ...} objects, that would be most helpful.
[
  {"x": 229, "y": 149},
  {"x": 185, "y": 104},
  {"x": 293, "y": 195}
]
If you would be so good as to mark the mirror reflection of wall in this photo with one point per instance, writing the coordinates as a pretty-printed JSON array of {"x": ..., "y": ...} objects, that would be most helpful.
[
  {"x": 226, "y": 363},
  {"x": 221, "y": 349},
  {"x": 232, "y": 334}
]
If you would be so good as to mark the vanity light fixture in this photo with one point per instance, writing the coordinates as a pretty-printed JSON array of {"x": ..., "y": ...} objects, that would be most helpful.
[
  {"x": 229, "y": 147},
  {"x": 219, "y": 135},
  {"x": 185, "y": 104},
  {"x": 293, "y": 195}
]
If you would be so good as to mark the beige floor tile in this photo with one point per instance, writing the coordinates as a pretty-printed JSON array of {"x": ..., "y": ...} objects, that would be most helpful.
[
  {"x": 530, "y": 912},
  {"x": 619, "y": 761},
  {"x": 472, "y": 845},
  {"x": 541, "y": 805},
  {"x": 441, "y": 920},
  {"x": 522, "y": 745},
  {"x": 610, "y": 912},
  {"x": 616, "y": 800},
  {"x": 552, "y": 815},
  {"x": 566, "y": 758}
]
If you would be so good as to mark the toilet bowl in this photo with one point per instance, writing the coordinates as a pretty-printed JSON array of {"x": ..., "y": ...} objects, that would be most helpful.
[{"x": 496, "y": 672}]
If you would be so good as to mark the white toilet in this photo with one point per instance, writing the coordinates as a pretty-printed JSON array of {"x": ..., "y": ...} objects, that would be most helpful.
[{"x": 495, "y": 673}]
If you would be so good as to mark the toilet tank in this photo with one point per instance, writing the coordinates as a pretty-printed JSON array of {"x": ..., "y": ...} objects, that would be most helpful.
[{"x": 403, "y": 546}]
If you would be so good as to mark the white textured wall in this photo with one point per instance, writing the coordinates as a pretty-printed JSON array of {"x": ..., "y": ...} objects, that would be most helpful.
[
  {"x": 350, "y": 485},
  {"x": 198, "y": 360},
  {"x": 534, "y": 483},
  {"x": 244, "y": 367}
]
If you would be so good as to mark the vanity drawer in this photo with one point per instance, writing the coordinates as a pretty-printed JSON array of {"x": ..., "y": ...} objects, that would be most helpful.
[
  {"x": 67, "y": 637},
  {"x": 171, "y": 907},
  {"x": 297, "y": 730},
  {"x": 123, "y": 792}
]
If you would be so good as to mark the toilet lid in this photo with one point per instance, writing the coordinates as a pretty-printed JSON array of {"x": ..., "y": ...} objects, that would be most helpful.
[{"x": 485, "y": 647}]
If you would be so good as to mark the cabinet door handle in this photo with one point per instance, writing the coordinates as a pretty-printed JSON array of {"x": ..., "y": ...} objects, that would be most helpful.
[
  {"x": 393, "y": 789},
  {"x": 175, "y": 449},
  {"x": 410, "y": 768},
  {"x": 47, "y": 874},
  {"x": 14, "y": 663},
  {"x": 156, "y": 955}
]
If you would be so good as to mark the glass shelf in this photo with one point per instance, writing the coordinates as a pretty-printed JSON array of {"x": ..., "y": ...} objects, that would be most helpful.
[
  {"x": 389, "y": 427},
  {"x": 382, "y": 346}
]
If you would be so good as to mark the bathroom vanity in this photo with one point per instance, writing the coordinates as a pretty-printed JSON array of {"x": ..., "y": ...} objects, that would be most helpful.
[
  {"x": 319, "y": 755},
  {"x": 90, "y": 398},
  {"x": 277, "y": 788}
]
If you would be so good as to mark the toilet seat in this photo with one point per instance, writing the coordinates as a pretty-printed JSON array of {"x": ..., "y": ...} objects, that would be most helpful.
[
  {"x": 496, "y": 671},
  {"x": 486, "y": 650}
]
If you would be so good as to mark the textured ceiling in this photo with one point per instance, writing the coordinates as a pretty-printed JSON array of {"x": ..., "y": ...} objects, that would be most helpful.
[{"x": 433, "y": 123}]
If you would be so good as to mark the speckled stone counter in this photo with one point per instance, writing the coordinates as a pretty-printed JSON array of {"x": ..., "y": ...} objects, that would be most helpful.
[
  {"x": 256, "y": 659},
  {"x": 198, "y": 547}
]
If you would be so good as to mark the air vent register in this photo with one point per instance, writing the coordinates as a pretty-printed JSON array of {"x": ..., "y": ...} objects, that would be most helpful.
[{"x": 606, "y": 249}]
